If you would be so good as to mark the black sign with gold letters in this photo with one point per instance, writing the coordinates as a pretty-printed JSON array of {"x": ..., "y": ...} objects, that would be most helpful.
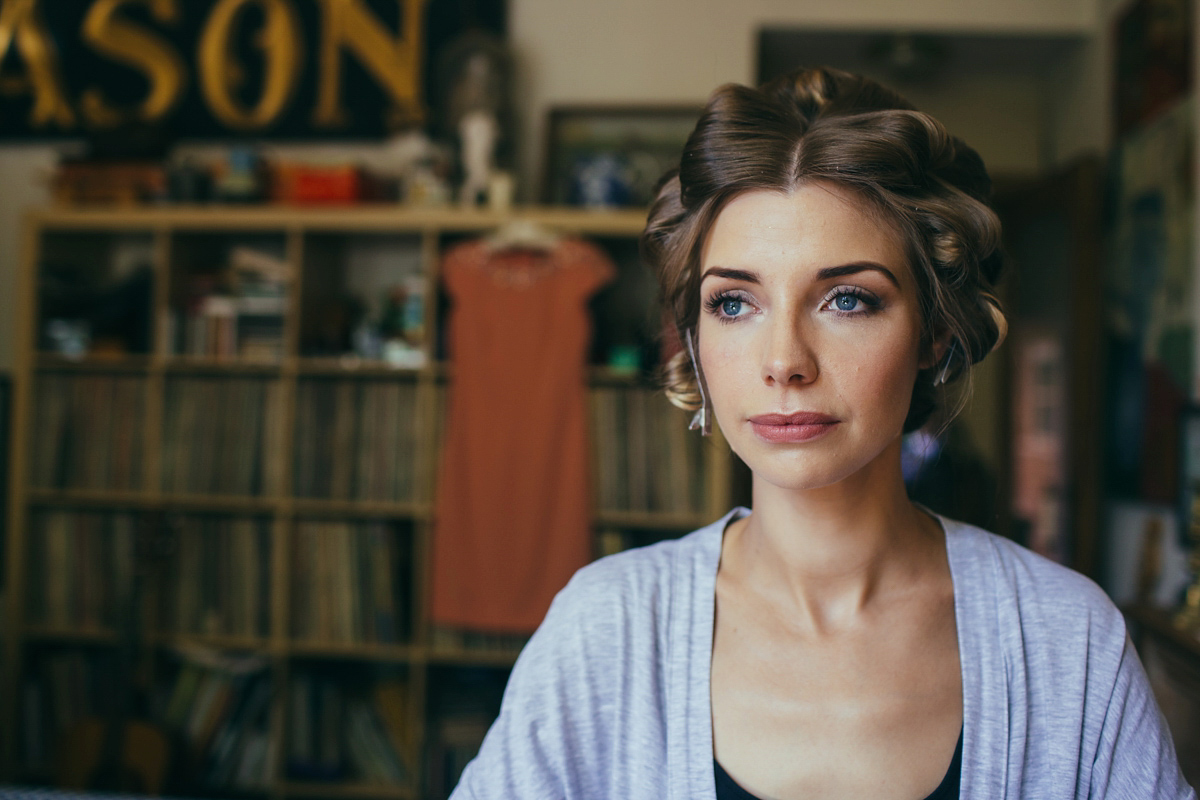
[{"x": 211, "y": 69}]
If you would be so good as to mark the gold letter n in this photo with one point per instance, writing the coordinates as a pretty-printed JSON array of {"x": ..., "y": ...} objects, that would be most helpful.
[{"x": 394, "y": 62}]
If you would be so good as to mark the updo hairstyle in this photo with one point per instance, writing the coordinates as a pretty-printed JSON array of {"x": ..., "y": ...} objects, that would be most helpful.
[{"x": 827, "y": 125}]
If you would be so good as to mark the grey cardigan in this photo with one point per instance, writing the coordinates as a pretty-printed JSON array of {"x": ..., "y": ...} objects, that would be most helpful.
[{"x": 610, "y": 698}]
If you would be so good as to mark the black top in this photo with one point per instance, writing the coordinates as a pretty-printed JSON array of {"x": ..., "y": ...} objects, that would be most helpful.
[{"x": 727, "y": 788}]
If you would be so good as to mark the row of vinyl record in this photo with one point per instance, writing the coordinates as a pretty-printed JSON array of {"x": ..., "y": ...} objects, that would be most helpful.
[
  {"x": 646, "y": 459},
  {"x": 217, "y": 576},
  {"x": 216, "y": 431},
  {"x": 88, "y": 434},
  {"x": 351, "y": 582},
  {"x": 353, "y": 440},
  {"x": 80, "y": 568},
  {"x": 356, "y": 439},
  {"x": 87, "y": 431}
]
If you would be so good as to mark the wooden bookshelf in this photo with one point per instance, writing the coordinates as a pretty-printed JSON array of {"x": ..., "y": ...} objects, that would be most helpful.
[{"x": 44, "y": 494}]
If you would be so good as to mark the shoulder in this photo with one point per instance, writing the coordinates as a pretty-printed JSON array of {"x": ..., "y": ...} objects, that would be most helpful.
[
  {"x": 636, "y": 586},
  {"x": 1037, "y": 603}
]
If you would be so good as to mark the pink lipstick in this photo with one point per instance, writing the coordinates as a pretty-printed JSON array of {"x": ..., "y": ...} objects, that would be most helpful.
[{"x": 801, "y": 426}]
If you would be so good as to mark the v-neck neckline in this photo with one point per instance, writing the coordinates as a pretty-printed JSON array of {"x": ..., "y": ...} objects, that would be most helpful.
[{"x": 699, "y": 748}]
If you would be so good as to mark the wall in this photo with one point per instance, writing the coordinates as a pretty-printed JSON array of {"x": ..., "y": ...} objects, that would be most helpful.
[{"x": 576, "y": 51}]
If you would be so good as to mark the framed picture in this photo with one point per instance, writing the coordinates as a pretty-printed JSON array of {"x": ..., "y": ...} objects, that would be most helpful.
[{"x": 612, "y": 156}]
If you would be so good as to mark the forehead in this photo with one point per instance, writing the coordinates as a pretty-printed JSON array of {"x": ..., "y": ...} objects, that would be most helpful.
[{"x": 817, "y": 225}]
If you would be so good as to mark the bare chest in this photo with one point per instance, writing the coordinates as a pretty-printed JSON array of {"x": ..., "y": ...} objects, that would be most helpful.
[{"x": 872, "y": 713}]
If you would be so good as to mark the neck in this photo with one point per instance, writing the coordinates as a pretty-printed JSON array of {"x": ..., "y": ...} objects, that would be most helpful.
[{"x": 830, "y": 554}]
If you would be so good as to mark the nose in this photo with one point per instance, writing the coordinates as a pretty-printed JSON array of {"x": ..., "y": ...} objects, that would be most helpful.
[{"x": 788, "y": 353}]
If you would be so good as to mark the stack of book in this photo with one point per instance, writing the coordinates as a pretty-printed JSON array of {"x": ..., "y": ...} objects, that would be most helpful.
[
  {"x": 218, "y": 578},
  {"x": 87, "y": 432},
  {"x": 240, "y": 314},
  {"x": 219, "y": 706},
  {"x": 80, "y": 564},
  {"x": 356, "y": 439},
  {"x": 215, "y": 433},
  {"x": 350, "y": 583},
  {"x": 339, "y": 732},
  {"x": 646, "y": 459}
]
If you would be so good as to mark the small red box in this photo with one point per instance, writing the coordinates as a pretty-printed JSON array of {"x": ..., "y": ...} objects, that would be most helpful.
[{"x": 305, "y": 185}]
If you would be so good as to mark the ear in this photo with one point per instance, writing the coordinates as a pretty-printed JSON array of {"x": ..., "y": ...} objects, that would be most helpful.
[{"x": 932, "y": 355}]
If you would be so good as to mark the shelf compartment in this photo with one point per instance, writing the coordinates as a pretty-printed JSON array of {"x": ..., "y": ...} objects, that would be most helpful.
[
  {"x": 352, "y": 585},
  {"x": 81, "y": 564},
  {"x": 218, "y": 436},
  {"x": 216, "y": 577},
  {"x": 349, "y": 725},
  {"x": 87, "y": 431},
  {"x": 357, "y": 440},
  {"x": 365, "y": 294},
  {"x": 229, "y": 295},
  {"x": 95, "y": 292},
  {"x": 645, "y": 460}
]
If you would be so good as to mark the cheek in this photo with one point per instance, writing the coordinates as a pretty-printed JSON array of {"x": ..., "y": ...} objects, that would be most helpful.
[
  {"x": 881, "y": 377},
  {"x": 727, "y": 362}
]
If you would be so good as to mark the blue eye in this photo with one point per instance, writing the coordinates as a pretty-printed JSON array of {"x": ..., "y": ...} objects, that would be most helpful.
[
  {"x": 731, "y": 306},
  {"x": 851, "y": 301},
  {"x": 846, "y": 302}
]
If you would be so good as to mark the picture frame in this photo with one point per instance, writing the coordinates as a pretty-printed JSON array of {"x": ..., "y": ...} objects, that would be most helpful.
[{"x": 612, "y": 156}]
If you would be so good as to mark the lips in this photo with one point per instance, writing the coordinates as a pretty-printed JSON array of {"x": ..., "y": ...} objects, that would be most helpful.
[{"x": 801, "y": 426}]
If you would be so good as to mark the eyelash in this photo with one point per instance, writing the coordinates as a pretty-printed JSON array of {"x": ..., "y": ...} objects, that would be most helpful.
[
  {"x": 870, "y": 302},
  {"x": 714, "y": 303}
]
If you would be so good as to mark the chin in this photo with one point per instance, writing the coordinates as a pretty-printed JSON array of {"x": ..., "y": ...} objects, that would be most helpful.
[{"x": 806, "y": 467}]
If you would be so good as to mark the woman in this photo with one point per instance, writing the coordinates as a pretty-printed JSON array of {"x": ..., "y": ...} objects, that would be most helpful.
[{"x": 828, "y": 255}]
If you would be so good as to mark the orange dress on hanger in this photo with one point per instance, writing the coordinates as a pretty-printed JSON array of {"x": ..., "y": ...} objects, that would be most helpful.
[{"x": 513, "y": 509}]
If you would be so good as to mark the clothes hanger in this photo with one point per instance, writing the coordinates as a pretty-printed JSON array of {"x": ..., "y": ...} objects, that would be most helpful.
[{"x": 522, "y": 234}]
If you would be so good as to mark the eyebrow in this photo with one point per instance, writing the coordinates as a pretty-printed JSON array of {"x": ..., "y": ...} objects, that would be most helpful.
[{"x": 822, "y": 274}]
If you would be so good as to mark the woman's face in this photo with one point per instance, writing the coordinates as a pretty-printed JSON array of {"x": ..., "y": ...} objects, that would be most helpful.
[{"x": 809, "y": 334}]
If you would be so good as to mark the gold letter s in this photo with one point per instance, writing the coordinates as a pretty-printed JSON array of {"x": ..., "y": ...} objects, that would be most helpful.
[
  {"x": 394, "y": 62},
  {"x": 125, "y": 42},
  {"x": 19, "y": 23},
  {"x": 218, "y": 74}
]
